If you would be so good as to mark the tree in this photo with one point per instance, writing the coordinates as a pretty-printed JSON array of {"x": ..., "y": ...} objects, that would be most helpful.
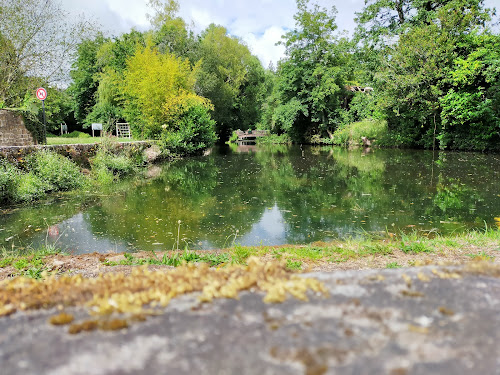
[
  {"x": 158, "y": 86},
  {"x": 415, "y": 80},
  {"x": 97, "y": 75},
  {"x": 163, "y": 11},
  {"x": 38, "y": 37},
  {"x": 311, "y": 79},
  {"x": 380, "y": 20},
  {"x": 84, "y": 75},
  {"x": 231, "y": 78},
  {"x": 471, "y": 107}
]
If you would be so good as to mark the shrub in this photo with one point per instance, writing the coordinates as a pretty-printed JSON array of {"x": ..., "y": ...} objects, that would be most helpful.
[
  {"x": 119, "y": 165},
  {"x": 8, "y": 179},
  {"x": 57, "y": 172},
  {"x": 192, "y": 133},
  {"x": 29, "y": 187},
  {"x": 76, "y": 134},
  {"x": 352, "y": 133},
  {"x": 102, "y": 176},
  {"x": 274, "y": 139}
]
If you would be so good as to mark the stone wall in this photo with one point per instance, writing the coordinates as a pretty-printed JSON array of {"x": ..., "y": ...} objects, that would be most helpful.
[
  {"x": 79, "y": 153},
  {"x": 13, "y": 132}
]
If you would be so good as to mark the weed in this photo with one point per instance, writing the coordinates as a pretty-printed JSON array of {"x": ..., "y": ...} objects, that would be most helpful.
[
  {"x": 59, "y": 173},
  {"x": 415, "y": 247},
  {"x": 29, "y": 264},
  {"x": 352, "y": 133},
  {"x": 117, "y": 165},
  {"x": 393, "y": 265},
  {"x": 481, "y": 256},
  {"x": 293, "y": 265},
  {"x": 240, "y": 254},
  {"x": 175, "y": 260}
]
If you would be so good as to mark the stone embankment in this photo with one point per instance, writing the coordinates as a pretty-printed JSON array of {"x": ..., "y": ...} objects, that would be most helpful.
[
  {"x": 429, "y": 320},
  {"x": 77, "y": 152}
]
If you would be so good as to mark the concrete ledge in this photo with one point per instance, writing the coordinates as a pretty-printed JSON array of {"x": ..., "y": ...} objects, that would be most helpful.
[{"x": 415, "y": 321}]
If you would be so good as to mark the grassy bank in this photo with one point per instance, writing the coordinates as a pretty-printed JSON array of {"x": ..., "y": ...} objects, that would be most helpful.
[
  {"x": 401, "y": 251},
  {"x": 43, "y": 172},
  {"x": 90, "y": 140}
]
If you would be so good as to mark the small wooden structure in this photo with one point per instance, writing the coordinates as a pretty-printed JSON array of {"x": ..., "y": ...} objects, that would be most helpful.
[
  {"x": 98, "y": 127},
  {"x": 123, "y": 130},
  {"x": 64, "y": 128},
  {"x": 250, "y": 135},
  {"x": 359, "y": 89}
]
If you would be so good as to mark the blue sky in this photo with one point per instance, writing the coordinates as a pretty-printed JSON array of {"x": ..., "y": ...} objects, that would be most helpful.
[{"x": 260, "y": 23}]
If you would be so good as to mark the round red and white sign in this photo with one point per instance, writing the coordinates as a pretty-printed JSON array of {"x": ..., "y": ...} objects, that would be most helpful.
[{"x": 41, "y": 93}]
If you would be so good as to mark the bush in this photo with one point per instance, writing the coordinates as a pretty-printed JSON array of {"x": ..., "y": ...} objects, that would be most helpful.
[
  {"x": 57, "y": 172},
  {"x": 8, "y": 179},
  {"x": 76, "y": 134},
  {"x": 193, "y": 133},
  {"x": 118, "y": 165},
  {"x": 29, "y": 187},
  {"x": 234, "y": 137},
  {"x": 352, "y": 133},
  {"x": 274, "y": 139}
]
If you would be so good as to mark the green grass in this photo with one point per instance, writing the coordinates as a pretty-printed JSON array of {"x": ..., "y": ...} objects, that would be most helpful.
[
  {"x": 69, "y": 141},
  {"x": 30, "y": 263},
  {"x": 393, "y": 265},
  {"x": 293, "y": 265},
  {"x": 174, "y": 260},
  {"x": 352, "y": 249}
]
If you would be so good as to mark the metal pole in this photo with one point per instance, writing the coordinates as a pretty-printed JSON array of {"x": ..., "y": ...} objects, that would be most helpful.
[{"x": 44, "y": 125}]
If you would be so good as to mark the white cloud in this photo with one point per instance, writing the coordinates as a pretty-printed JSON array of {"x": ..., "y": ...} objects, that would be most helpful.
[
  {"x": 264, "y": 46},
  {"x": 260, "y": 23}
]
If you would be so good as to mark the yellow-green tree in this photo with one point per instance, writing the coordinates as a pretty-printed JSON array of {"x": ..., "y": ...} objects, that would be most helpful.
[
  {"x": 151, "y": 80},
  {"x": 161, "y": 102}
]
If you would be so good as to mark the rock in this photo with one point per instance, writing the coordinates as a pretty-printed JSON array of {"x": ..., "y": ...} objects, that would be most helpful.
[
  {"x": 56, "y": 264},
  {"x": 153, "y": 171},
  {"x": 152, "y": 153},
  {"x": 428, "y": 320},
  {"x": 366, "y": 142}
]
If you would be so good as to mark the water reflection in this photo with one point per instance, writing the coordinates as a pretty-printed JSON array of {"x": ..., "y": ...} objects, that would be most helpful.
[{"x": 270, "y": 195}]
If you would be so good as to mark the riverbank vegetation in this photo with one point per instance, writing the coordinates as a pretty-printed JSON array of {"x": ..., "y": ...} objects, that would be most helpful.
[
  {"x": 403, "y": 250},
  {"x": 422, "y": 75},
  {"x": 44, "y": 171}
]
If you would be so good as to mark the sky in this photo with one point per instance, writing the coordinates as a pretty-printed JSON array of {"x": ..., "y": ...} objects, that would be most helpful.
[{"x": 259, "y": 23}]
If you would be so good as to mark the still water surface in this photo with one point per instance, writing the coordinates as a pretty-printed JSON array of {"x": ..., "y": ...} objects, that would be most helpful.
[{"x": 268, "y": 195}]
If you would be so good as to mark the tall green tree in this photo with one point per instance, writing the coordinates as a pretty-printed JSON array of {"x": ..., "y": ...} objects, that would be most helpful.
[
  {"x": 97, "y": 74},
  {"x": 311, "y": 78},
  {"x": 84, "y": 74},
  {"x": 470, "y": 109},
  {"x": 415, "y": 78},
  {"x": 231, "y": 78}
]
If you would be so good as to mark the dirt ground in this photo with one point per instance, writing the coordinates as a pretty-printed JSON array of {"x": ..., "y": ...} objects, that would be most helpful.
[{"x": 91, "y": 265}]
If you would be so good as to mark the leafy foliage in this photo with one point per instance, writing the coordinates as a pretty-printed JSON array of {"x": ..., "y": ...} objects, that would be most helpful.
[
  {"x": 232, "y": 79},
  {"x": 154, "y": 83},
  {"x": 58, "y": 173},
  {"x": 36, "y": 39},
  {"x": 309, "y": 91}
]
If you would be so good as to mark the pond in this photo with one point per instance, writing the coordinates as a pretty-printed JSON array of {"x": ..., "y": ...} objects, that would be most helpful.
[{"x": 273, "y": 195}]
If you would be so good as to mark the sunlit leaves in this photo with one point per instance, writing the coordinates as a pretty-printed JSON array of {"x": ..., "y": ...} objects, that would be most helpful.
[{"x": 152, "y": 83}]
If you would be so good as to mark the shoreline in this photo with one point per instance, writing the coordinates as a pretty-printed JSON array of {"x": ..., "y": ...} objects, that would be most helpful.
[{"x": 325, "y": 257}]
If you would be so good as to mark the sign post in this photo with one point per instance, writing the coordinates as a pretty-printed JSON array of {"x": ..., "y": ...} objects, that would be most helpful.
[{"x": 41, "y": 94}]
